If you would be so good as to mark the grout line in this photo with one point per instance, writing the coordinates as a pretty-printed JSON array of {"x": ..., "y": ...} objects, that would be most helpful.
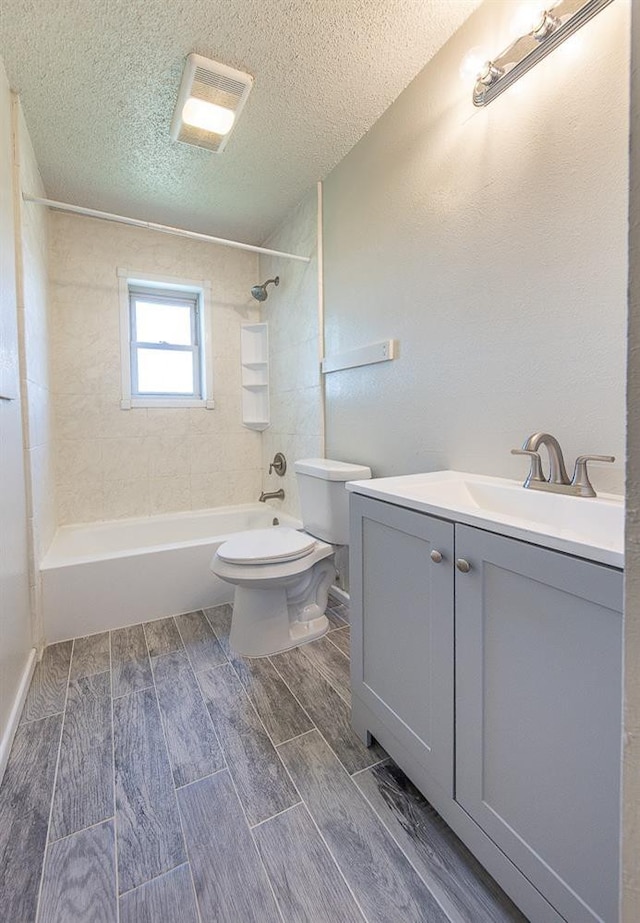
[
  {"x": 53, "y": 789},
  {"x": 385, "y": 759},
  {"x": 278, "y": 814},
  {"x": 131, "y": 692},
  {"x": 113, "y": 776},
  {"x": 173, "y": 784},
  {"x": 297, "y": 736},
  {"x": 82, "y": 829},
  {"x": 209, "y": 775},
  {"x": 41, "y": 718},
  {"x": 155, "y": 878}
]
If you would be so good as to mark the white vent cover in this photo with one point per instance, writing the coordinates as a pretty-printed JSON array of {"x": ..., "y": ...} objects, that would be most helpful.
[{"x": 214, "y": 83}]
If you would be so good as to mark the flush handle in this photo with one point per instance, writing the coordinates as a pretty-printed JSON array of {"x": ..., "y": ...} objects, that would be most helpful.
[
  {"x": 463, "y": 566},
  {"x": 436, "y": 556}
]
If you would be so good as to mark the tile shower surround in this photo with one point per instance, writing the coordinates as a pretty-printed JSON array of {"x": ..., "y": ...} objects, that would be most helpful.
[
  {"x": 113, "y": 463},
  {"x": 158, "y": 775}
]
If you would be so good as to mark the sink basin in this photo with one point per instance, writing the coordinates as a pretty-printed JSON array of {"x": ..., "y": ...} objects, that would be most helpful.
[{"x": 588, "y": 527}]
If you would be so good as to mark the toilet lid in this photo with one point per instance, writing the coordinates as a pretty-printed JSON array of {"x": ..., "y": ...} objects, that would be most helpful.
[{"x": 266, "y": 546}]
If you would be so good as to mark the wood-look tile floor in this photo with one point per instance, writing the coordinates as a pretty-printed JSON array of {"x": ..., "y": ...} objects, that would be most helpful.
[{"x": 158, "y": 777}]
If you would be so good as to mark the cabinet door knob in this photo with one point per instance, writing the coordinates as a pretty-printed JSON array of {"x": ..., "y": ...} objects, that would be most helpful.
[
  {"x": 436, "y": 556},
  {"x": 463, "y": 566}
]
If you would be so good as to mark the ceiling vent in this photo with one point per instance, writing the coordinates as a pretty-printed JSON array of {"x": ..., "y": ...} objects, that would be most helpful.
[{"x": 209, "y": 103}]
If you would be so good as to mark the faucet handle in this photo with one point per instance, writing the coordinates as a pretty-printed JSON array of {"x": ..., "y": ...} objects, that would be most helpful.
[
  {"x": 535, "y": 473},
  {"x": 581, "y": 475}
]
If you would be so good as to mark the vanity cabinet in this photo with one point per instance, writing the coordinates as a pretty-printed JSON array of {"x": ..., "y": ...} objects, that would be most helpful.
[
  {"x": 533, "y": 638},
  {"x": 404, "y": 669}
]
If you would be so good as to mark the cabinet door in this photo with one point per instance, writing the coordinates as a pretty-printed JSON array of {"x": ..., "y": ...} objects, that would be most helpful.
[
  {"x": 402, "y": 627},
  {"x": 538, "y": 715}
]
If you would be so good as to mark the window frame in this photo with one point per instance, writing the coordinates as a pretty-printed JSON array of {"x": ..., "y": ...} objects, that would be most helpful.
[{"x": 155, "y": 287}]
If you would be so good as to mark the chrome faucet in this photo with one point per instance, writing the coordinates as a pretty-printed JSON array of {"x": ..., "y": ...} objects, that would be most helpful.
[
  {"x": 558, "y": 480},
  {"x": 271, "y": 495}
]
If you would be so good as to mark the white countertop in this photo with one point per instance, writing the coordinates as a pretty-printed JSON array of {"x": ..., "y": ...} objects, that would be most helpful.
[{"x": 591, "y": 528}]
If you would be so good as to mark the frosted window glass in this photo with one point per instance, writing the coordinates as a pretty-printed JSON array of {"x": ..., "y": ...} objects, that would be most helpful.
[
  {"x": 165, "y": 371},
  {"x": 163, "y": 323}
]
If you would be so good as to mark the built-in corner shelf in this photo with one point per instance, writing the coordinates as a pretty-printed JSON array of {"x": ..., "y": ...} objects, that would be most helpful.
[{"x": 254, "y": 355}]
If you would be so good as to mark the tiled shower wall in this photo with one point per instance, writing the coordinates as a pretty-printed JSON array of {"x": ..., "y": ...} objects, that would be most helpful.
[
  {"x": 292, "y": 314},
  {"x": 114, "y": 463},
  {"x": 32, "y": 230}
]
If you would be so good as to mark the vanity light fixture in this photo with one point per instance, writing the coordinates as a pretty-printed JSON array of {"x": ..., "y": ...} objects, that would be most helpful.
[
  {"x": 210, "y": 100},
  {"x": 554, "y": 24}
]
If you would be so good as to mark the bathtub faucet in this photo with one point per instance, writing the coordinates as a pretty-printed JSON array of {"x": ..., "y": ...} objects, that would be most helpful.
[{"x": 271, "y": 495}]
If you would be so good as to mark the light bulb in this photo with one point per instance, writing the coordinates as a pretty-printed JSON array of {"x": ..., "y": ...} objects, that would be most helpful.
[
  {"x": 472, "y": 64},
  {"x": 526, "y": 17},
  {"x": 208, "y": 116}
]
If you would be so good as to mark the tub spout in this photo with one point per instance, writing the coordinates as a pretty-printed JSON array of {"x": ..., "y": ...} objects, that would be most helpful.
[{"x": 271, "y": 495}]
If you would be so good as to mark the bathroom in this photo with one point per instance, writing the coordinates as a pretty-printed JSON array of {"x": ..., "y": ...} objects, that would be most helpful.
[{"x": 490, "y": 246}]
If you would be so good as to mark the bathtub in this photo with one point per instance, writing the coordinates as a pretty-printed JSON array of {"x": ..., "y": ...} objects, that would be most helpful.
[{"x": 107, "y": 575}]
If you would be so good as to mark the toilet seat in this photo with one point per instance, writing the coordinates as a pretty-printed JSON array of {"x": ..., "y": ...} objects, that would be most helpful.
[{"x": 267, "y": 546}]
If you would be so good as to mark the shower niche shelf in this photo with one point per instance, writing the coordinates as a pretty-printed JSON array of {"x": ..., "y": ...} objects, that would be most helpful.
[{"x": 254, "y": 356}]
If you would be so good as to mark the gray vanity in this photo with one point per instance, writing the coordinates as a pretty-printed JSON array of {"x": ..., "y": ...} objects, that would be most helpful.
[{"x": 486, "y": 659}]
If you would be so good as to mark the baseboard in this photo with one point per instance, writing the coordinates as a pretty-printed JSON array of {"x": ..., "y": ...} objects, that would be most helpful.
[
  {"x": 341, "y": 595},
  {"x": 16, "y": 711}
]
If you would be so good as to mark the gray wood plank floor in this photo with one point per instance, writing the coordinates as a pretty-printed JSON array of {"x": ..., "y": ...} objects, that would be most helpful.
[
  {"x": 149, "y": 834},
  {"x": 200, "y": 746},
  {"x": 304, "y": 875},
  {"x": 217, "y": 837},
  {"x": 201, "y": 644},
  {"x": 79, "y": 878},
  {"x": 331, "y": 664},
  {"x": 131, "y": 670},
  {"x": 49, "y": 684},
  {"x": 25, "y": 799},
  {"x": 90, "y": 655},
  {"x": 193, "y": 747},
  {"x": 84, "y": 790},
  {"x": 163, "y": 637},
  {"x": 262, "y": 781},
  {"x": 384, "y": 882},
  {"x": 327, "y": 710},
  {"x": 342, "y": 640},
  {"x": 458, "y": 880},
  {"x": 167, "y": 899},
  {"x": 281, "y": 714}
]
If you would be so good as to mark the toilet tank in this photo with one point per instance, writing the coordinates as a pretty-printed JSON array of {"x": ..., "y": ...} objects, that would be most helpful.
[{"x": 324, "y": 500}]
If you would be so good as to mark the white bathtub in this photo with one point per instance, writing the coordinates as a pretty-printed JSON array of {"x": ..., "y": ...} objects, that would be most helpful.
[{"x": 107, "y": 575}]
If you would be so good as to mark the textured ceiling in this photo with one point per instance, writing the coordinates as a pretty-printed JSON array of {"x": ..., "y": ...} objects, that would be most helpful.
[{"x": 99, "y": 78}]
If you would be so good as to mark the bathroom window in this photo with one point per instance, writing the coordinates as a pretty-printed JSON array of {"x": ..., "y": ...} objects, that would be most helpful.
[{"x": 164, "y": 344}]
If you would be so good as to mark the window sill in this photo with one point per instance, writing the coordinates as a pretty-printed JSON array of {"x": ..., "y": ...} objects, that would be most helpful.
[{"x": 135, "y": 402}]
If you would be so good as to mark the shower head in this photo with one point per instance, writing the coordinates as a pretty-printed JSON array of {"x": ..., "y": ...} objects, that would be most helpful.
[{"x": 260, "y": 293}]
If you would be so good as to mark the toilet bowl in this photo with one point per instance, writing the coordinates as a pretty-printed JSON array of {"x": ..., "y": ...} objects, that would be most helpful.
[{"x": 282, "y": 576}]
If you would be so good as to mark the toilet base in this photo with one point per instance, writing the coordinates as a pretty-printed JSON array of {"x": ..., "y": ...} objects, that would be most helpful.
[
  {"x": 278, "y": 605},
  {"x": 260, "y": 625}
]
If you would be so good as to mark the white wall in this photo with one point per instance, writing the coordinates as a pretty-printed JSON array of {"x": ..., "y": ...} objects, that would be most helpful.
[
  {"x": 292, "y": 314},
  {"x": 631, "y": 761},
  {"x": 492, "y": 244},
  {"x": 114, "y": 463},
  {"x": 15, "y": 627},
  {"x": 32, "y": 224}
]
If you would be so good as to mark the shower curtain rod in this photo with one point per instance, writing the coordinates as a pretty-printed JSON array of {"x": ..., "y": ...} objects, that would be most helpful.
[{"x": 163, "y": 228}]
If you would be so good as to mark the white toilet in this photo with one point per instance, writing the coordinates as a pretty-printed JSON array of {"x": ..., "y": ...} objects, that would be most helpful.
[{"x": 282, "y": 576}]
